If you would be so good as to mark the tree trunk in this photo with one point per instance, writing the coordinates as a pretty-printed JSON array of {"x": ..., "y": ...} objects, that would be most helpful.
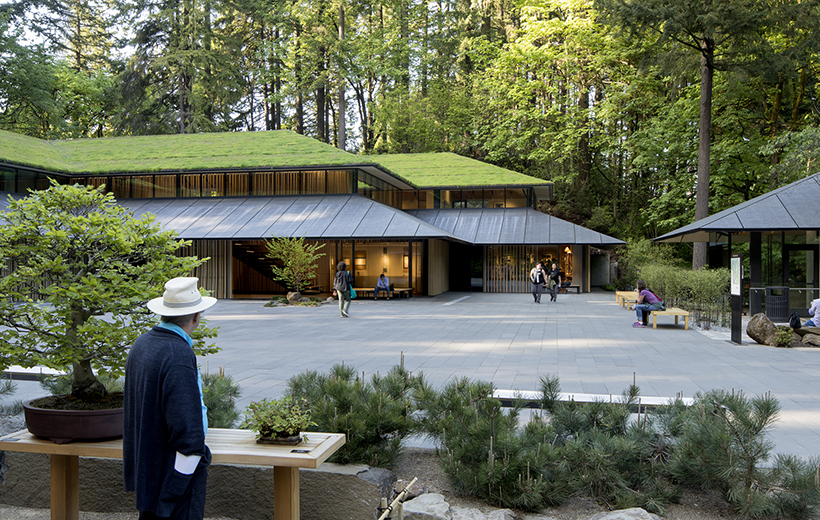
[
  {"x": 85, "y": 385},
  {"x": 707, "y": 71},
  {"x": 341, "y": 133}
]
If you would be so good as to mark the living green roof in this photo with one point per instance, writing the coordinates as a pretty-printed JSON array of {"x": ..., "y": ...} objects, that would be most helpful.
[
  {"x": 237, "y": 150},
  {"x": 428, "y": 170}
]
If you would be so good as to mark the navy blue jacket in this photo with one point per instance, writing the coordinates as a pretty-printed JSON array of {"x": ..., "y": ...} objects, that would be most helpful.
[{"x": 162, "y": 416}]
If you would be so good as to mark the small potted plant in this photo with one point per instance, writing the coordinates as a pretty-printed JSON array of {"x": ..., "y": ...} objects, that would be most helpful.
[{"x": 278, "y": 421}]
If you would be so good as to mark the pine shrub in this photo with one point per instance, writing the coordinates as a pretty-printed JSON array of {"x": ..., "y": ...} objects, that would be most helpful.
[
  {"x": 486, "y": 453},
  {"x": 376, "y": 415},
  {"x": 7, "y": 389},
  {"x": 723, "y": 446},
  {"x": 219, "y": 393}
]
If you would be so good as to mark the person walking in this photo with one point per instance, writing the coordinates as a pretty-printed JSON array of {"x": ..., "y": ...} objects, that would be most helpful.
[
  {"x": 538, "y": 278},
  {"x": 554, "y": 277},
  {"x": 342, "y": 283},
  {"x": 165, "y": 459}
]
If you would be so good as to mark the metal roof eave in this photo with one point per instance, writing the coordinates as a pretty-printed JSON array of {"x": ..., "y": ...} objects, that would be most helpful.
[{"x": 789, "y": 208}]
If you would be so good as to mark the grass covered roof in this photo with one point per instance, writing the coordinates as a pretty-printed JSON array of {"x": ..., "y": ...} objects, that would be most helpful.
[
  {"x": 232, "y": 150},
  {"x": 429, "y": 170}
]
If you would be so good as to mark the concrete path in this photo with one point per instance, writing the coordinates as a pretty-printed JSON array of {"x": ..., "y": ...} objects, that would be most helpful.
[{"x": 586, "y": 340}]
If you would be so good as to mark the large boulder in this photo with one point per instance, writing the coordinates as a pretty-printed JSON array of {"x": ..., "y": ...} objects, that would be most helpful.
[
  {"x": 294, "y": 296},
  {"x": 761, "y": 329},
  {"x": 429, "y": 506},
  {"x": 812, "y": 340},
  {"x": 802, "y": 331},
  {"x": 636, "y": 513}
]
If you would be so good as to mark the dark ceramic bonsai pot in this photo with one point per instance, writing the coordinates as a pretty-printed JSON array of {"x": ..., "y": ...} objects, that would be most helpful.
[{"x": 62, "y": 426}]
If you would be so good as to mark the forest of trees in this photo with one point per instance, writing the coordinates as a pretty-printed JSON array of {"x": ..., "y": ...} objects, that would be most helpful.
[{"x": 636, "y": 109}]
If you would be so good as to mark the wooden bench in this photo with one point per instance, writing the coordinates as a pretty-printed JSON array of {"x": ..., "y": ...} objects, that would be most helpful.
[
  {"x": 397, "y": 292},
  {"x": 626, "y": 297},
  {"x": 227, "y": 447},
  {"x": 576, "y": 288},
  {"x": 670, "y": 311}
]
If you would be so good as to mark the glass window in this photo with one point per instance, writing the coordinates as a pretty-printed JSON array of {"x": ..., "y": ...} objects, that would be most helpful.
[
  {"x": 473, "y": 198},
  {"x": 516, "y": 198},
  {"x": 340, "y": 181},
  {"x": 26, "y": 180},
  {"x": 495, "y": 198},
  {"x": 409, "y": 200},
  {"x": 442, "y": 199},
  {"x": 7, "y": 178}
]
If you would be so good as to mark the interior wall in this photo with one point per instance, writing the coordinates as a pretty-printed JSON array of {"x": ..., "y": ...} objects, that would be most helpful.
[{"x": 438, "y": 272}]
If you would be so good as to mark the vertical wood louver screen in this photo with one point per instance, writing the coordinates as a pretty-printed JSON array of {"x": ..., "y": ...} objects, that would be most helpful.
[
  {"x": 214, "y": 275},
  {"x": 507, "y": 268}
]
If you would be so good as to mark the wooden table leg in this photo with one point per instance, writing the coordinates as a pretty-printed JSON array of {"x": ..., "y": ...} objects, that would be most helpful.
[
  {"x": 285, "y": 493},
  {"x": 65, "y": 487}
]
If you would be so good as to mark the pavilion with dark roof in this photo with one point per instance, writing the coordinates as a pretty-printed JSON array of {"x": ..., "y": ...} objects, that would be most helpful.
[
  {"x": 782, "y": 229},
  {"x": 431, "y": 222}
]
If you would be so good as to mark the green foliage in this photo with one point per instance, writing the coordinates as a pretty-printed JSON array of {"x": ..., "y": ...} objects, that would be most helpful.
[
  {"x": 299, "y": 259},
  {"x": 277, "y": 417},
  {"x": 723, "y": 446},
  {"x": 638, "y": 253},
  {"x": 783, "y": 337},
  {"x": 486, "y": 454},
  {"x": 61, "y": 384},
  {"x": 7, "y": 389},
  {"x": 568, "y": 448},
  {"x": 704, "y": 293},
  {"x": 219, "y": 393},
  {"x": 375, "y": 416},
  {"x": 76, "y": 273}
]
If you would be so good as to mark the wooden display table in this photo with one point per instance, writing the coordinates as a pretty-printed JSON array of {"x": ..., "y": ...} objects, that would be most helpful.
[{"x": 227, "y": 447}]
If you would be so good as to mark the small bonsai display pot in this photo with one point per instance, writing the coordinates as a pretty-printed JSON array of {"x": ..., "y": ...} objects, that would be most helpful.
[
  {"x": 62, "y": 426},
  {"x": 291, "y": 440}
]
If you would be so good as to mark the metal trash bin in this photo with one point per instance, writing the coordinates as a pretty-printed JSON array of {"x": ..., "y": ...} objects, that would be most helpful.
[{"x": 777, "y": 304}]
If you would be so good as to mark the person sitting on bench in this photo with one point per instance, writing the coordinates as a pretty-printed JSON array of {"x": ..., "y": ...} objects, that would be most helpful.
[
  {"x": 647, "y": 302},
  {"x": 383, "y": 284}
]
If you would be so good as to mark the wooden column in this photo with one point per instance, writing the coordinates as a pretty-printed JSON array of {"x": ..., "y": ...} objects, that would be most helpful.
[
  {"x": 65, "y": 487},
  {"x": 285, "y": 493}
]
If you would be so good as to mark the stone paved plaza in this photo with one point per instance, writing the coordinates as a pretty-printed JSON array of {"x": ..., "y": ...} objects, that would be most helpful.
[{"x": 586, "y": 340}]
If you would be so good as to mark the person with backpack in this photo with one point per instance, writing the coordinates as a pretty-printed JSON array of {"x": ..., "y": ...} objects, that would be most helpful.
[
  {"x": 538, "y": 278},
  {"x": 647, "y": 302},
  {"x": 342, "y": 283}
]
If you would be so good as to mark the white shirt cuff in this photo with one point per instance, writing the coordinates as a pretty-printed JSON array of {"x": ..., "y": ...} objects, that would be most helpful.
[{"x": 186, "y": 464}]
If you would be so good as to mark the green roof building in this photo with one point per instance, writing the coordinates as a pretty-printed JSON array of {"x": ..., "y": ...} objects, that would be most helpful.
[{"x": 431, "y": 222}]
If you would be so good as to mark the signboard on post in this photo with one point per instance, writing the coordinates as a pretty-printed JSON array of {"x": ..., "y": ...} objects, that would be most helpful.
[{"x": 736, "y": 291}]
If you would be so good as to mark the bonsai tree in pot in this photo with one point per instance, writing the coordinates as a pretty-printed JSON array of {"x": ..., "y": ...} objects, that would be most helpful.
[
  {"x": 75, "y": 273},
  {"x": 277, "y": 421}
]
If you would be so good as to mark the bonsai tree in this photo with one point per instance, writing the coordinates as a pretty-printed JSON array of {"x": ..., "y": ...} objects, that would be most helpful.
[
  {"x": 277, "y": 417},
  {"x": 299, "y": 260},
  {"x": 76, "y": 271}
]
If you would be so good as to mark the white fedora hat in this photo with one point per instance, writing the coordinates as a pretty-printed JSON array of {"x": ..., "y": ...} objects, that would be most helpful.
[{"x": 181, "y": 297}]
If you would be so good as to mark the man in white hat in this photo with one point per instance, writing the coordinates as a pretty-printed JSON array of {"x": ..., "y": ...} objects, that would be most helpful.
[{"x": 165, "y": 459}]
